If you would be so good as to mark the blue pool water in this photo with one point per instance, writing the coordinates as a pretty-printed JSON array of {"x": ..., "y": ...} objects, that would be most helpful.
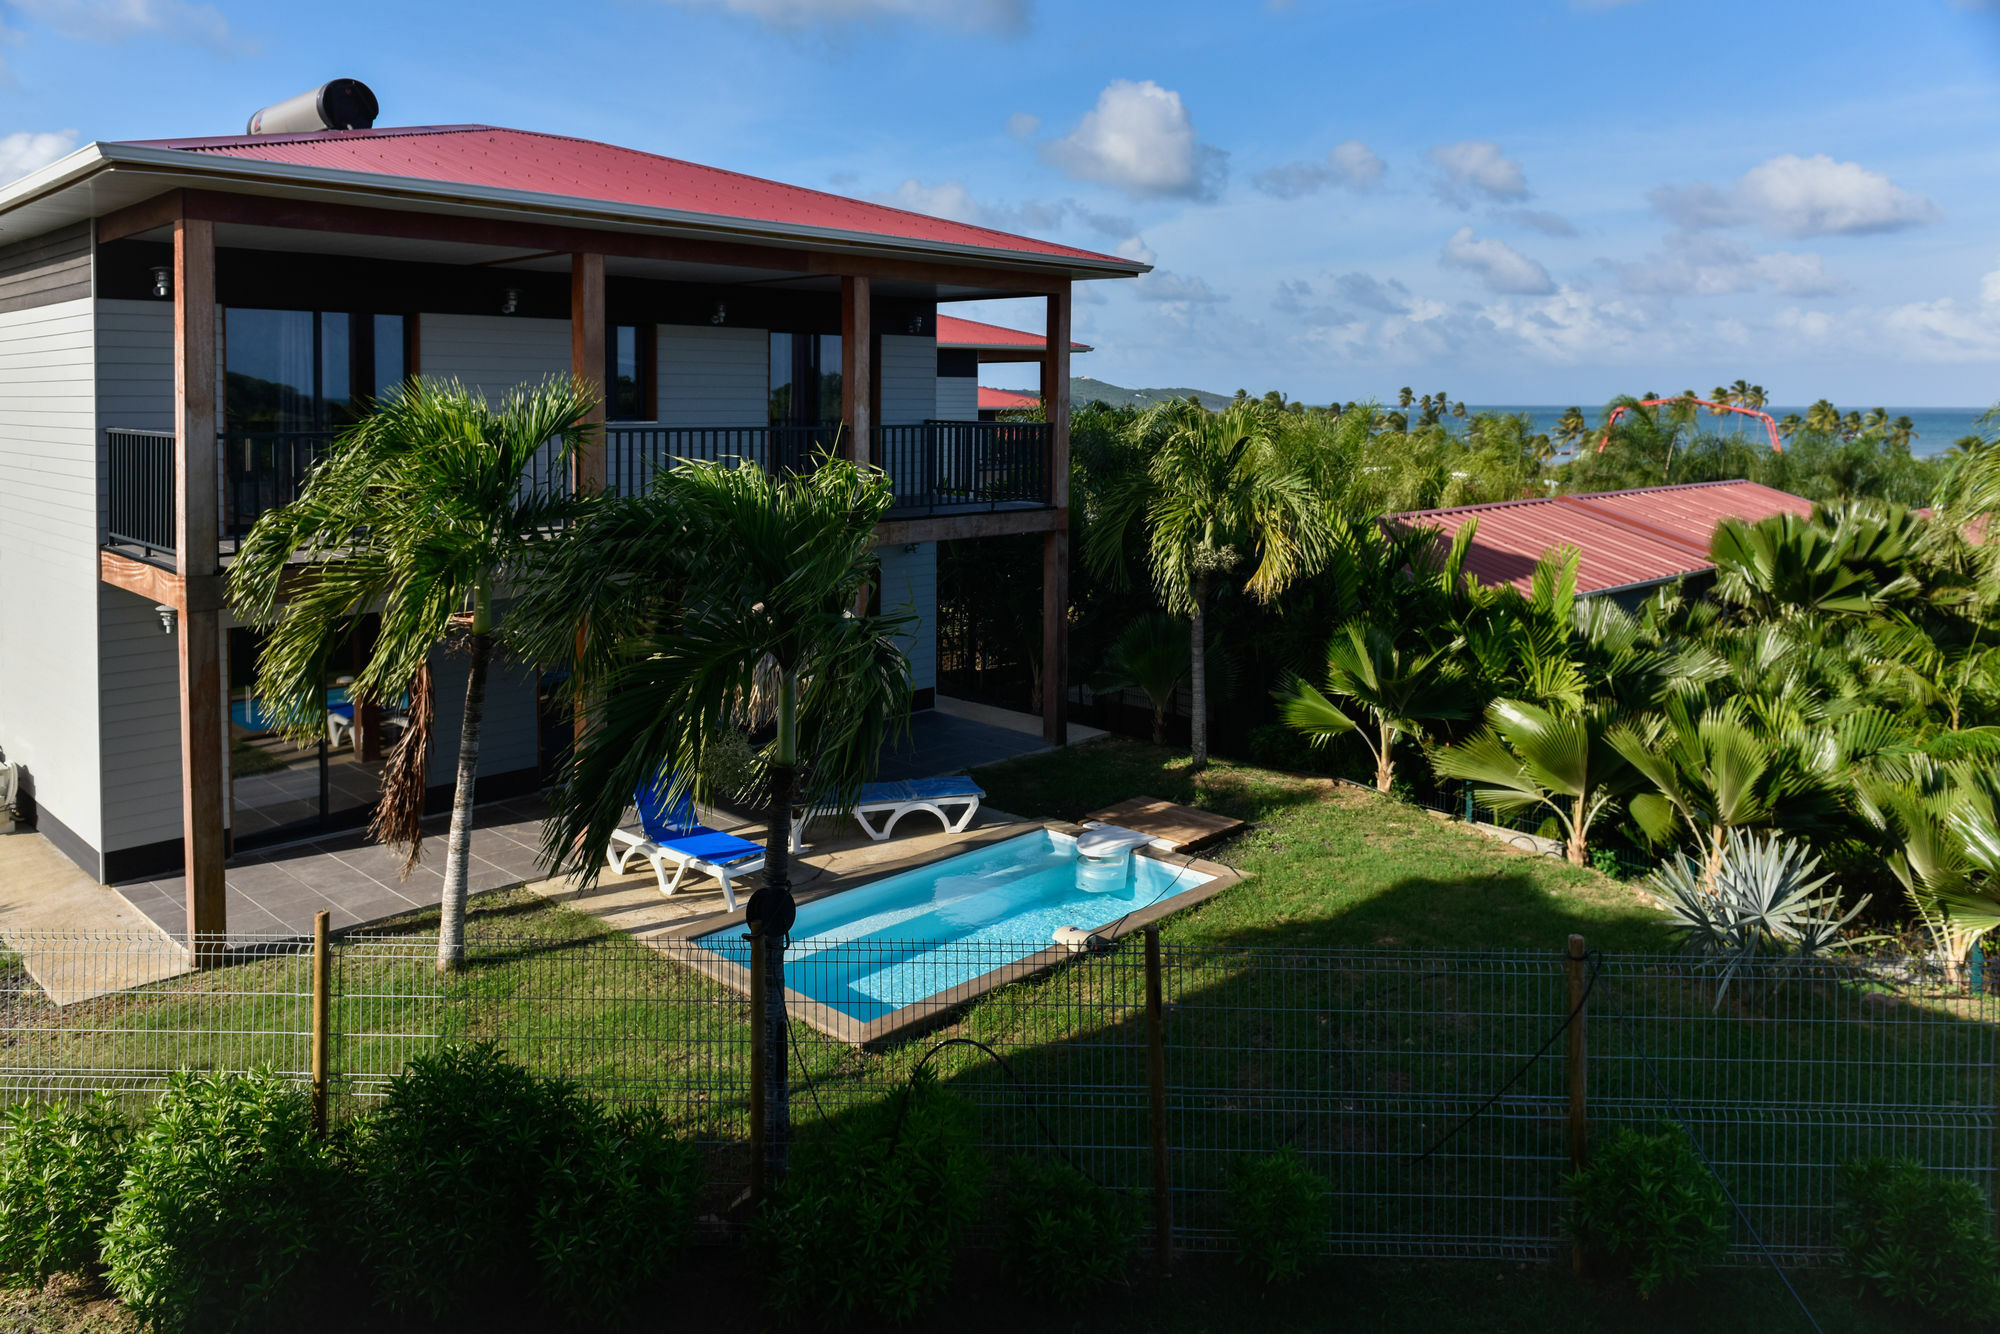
[
  {"x": 870, "y": 951},
  {"x": 249, "y": 713}
]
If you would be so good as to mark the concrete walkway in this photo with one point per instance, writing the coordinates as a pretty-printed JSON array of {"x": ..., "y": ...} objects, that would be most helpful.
[{"x": 77, "y": 938}]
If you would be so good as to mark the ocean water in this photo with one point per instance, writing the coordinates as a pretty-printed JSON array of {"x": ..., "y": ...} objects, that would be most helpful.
[
  {"x": 1937, "y": 428},
  {"x": 870, "y": 951}
]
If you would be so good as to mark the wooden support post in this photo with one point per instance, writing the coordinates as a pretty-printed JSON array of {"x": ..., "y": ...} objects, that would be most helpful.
[
  {"x": 1156, "y": 1098},
  {"x": 587, "y": 363},
  {"x": 1579, "y": 1122},
  {"x": 1055, "y": 638},
  {"x": 199, "y": 631},
  {"x": 857, "y": 368},
  {"x": 1055, "y": 396},
  {"x": 322, "y": 1023},
  {"x": 758, "y": 945}
]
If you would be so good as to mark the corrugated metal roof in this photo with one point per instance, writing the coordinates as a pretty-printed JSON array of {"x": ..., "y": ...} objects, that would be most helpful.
[
  {"x": 954, "y": 332},
  {"x": 1623, "y": 538},
  {"x": 532, "y": 162},
  {"x": 1005, "y": 400}
]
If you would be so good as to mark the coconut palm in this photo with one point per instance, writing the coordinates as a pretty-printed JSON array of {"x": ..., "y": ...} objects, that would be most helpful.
[
  {"x": 1399, "y": 686},
  {"x": 723, "y": 601},
  {"x": 1211, "y": 493},
  {"x": 1529, "y": 758},
  {"x": 1902, "y": 433},
  {"x": 1404, "y": 397},
  {"x": 1571, "y": 427},
  {"x": 1150, "y": 655},
  {"x": 1822, "y": 418},
  {"x": 423, "y": 510},
  {"x": 1790, "y": 425}
]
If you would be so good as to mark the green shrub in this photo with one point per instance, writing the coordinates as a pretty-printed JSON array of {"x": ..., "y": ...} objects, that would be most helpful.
[
  {"x": 1066, "y": 1235},
  {"x": 1647, "y": 1200},
  {"x": 870, "y": 1217},
  {"x": 1919, "y": 1237},
  {"x": 225, "y": 1204},
  {"x": 1279, "y": 1210},
  {"x": 484, "y": 1181},
  {"x": 59, "y": 1173}
]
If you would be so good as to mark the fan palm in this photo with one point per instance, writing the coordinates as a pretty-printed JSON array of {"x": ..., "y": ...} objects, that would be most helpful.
[
  {"x": 423, "y": 510},
  {"x": 722, "y": 600},
  {"x": 1150, "y": 655},
  {"x": 1529, "y": 757},
  {"x": 1213, "y": 492},
  {"x": 1399, "y": 686}
]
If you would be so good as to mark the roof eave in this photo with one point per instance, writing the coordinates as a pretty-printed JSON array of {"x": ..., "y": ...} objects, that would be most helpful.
[{"x": 97, "y": 156}]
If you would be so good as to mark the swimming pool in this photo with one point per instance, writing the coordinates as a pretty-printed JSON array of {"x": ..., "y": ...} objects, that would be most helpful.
[
  {"x": 251, "y": 714},
  {"x": 868, "y": 952}
]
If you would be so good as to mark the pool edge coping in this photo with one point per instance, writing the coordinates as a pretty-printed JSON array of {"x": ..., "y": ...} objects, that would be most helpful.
[{"x": 938, "y": 1008}]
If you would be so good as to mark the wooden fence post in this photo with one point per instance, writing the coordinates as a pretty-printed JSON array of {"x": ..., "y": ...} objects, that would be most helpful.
[
  {"x": 757, "y": 1092},
  {"x": 1579, "y": 1073},
  {"x": 322, "y": 1026},
  {"x": 1156, "y": 1081}
]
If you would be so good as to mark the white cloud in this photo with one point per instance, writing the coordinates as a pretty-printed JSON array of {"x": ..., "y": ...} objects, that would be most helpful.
[
  {"x": 1139, "y": 138},
  {"x": 1501, "y": 267},
  {"x": 23, "y": 151},
  {"x": 1165, "y": 285},
  {"x": 1009, "y": 16},
  {"x": 1477, "y": 168},
  {"x": 1351, "y": 164},
  {"x": 1699, "y": 264},
  {"x": 1541, "y": 220},
  {"x": 1023, "y": 124},
  {"x": 118, "y": 20},
  {"x": 1798, "y": 196},
  {"x": 951, "y": 199}
]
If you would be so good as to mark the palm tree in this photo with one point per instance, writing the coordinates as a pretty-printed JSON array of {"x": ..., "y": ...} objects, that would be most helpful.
[
  {"x": 1822, "y": 418},
  {"x": 1529, "y": 757},
  {"x": 1902, "y": 433},
  {"x": 1571, "y": 427},
  {"x": 1876, "y": 422},
  {"x": 720, "y": 602},
  {"x": 1399, "y": 686},
  {"x": 1212, "y": 492},
  {"x": 421, "y": 509},
  {"x": 1404, "y": 398},
  {"x": 1790, "y": 425},
  {"x": 1150, "y": 654}
]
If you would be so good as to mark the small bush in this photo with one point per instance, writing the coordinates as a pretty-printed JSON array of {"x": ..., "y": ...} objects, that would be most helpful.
[
  {"x": 59, "y": 1174},
  {"x": 870, "y": 1217},
  {"x": 1919, "y": 1237},
  {"x": 224, "y": 1206},
  {"x": 1066, "y": 1235},
  {"x": 1279, "y": 1210},
  {"x": 483, "y": 1179},
  {"x": 1647, "y": 1200}
]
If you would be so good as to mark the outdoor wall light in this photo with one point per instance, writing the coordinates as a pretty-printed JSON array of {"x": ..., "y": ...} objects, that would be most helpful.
[
  {"x": 163, "y": 281},
  {"x": 510, "y": 301},
  {"x": 167, "y": 617},
  {"x": 916, "y": 325},
  {"x": 909, "y": 548},
  {"x": 721, "y": 315}
]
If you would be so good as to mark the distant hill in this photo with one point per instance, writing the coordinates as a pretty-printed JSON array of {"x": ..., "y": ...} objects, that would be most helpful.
[{"x": 1086, "y": 390}]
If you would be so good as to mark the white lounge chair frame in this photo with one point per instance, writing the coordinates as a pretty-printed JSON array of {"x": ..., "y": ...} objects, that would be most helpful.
[
  {"x": 626, "y": 846},
  {"x": 895, "y": 809}
]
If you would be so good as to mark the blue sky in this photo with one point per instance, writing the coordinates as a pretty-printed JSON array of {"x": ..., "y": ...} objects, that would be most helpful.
[{"x": 1520, "y": 201}]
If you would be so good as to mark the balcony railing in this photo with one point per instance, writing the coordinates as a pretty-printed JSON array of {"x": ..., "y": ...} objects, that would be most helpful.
[{"x": 936, "y": 468}]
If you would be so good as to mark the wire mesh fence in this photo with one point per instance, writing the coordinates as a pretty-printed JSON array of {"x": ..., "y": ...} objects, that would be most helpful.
[{"x": 1429, "y": 1089}]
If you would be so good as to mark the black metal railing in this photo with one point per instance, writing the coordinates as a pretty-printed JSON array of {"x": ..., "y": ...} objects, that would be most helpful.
[
  {"x": 950, "y": 466},
  {"x": 139, "y": 482},
  {"x": 262, "y": 470},
  {"x": 635, "y": 451}
]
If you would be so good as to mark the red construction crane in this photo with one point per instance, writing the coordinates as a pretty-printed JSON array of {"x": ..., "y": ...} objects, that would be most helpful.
[{"x": 1771, "y": 427}]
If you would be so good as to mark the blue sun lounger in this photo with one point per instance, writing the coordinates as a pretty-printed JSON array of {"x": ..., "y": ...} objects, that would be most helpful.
[
  {"x": 895, "y": 800},
  {"x": 675, "y": 835}
]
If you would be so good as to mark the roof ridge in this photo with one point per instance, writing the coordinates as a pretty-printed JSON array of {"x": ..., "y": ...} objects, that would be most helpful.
[{"x": 304, "y": 136}]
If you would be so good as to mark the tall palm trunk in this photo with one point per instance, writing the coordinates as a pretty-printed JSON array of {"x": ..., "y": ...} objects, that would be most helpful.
[
  {"x": 1198, "y": 676},
  {"x": 774, "y": 923},
  {"x": 1385, "y": 757},
  {"x": 458, "y": 851},
  {"x": 1578, "y": 848}
]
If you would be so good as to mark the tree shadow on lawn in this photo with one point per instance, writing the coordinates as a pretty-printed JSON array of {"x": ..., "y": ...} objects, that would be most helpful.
[{"x": 1067, "y": 784}]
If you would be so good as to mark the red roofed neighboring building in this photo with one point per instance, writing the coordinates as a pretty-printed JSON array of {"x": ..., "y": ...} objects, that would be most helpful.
[
  {"x": 1628, "y": 542},
  {"x": 1005, "y": 400},
  {"x": 966, "y": 345},
  {"x": 190, "y": 321}
]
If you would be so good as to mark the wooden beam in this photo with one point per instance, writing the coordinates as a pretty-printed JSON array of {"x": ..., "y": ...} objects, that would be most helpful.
[
  {"x": 587, "y": 362},
  {"x": 1055, "y": 395},
  {"x": 199, "y": 634},
  {"x": 159, "y": 586},
  {"x": 947, "y": 527},
  {"x": 1055, "y": 638},
  {"x": 857, "y": 366},
  {"x": 162, "y": 210}
]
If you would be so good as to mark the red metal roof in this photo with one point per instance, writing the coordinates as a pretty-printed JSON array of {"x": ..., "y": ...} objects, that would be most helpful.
[
  {"x": 554, "y": 164},
  {"x": 1624, "y": 538},
  {"x": 953, "y": 332},
  {"x": 1005, "y": 400}
]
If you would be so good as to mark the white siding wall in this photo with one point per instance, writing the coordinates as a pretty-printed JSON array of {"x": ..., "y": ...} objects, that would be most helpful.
[
  {"x": 48, "y": 558},
  {"x": 958, "y": 398},
  {"x": 714, "y": 377},
  {"x": 909, "y": 379},
  {"x": 492, "y": 353},
  {"x": 909, "y": 583}
]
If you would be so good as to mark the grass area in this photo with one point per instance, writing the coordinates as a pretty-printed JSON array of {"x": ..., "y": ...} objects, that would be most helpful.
[{"x": 1334, "y": 865}]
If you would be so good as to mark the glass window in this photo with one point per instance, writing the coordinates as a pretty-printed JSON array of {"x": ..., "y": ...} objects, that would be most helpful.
[
  {"x": 782, "y": 352},
  {"x": 270, "y": 371},
  {"x": 336, "y": 361},
  {"x": 389, "y": 368},
  {"x": 627, "y": 391},
  {"x": 805, "y": 379},
  {"x": 829, "y": 378}
]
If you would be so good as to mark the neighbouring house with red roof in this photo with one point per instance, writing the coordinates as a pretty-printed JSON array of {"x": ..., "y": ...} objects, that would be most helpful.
[
  {"x": 966, "y": 345},
  {"x": 1628, "y": 542},
  {"x": 185, "y": 323}
]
